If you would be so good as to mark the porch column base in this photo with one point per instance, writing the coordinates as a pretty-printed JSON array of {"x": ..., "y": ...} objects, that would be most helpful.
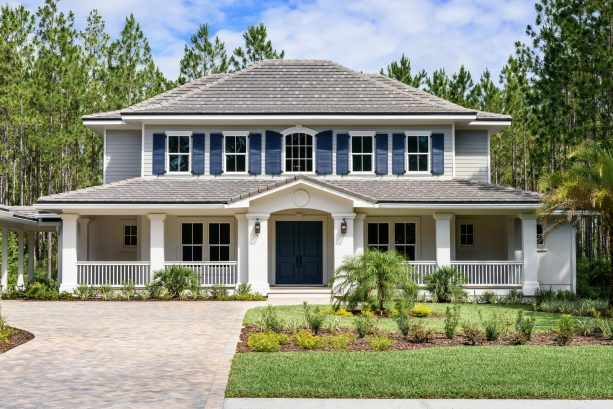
[
  {"x": 68, "y": 287},
  {"x": 529, "y": 288},
  {"x": 261, "y": 288}
]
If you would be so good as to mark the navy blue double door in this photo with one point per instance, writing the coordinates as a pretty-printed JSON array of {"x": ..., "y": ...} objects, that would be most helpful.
[{"x": 299, "y": 252}]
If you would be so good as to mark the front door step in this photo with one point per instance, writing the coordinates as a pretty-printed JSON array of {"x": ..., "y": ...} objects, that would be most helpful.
[{"x": 299, "y": 292}]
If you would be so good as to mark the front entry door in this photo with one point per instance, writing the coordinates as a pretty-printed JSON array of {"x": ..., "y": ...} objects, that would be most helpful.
[{"x": 299, "y": 252}]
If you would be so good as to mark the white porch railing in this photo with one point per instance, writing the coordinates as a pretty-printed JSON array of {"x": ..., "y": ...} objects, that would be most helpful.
[
  {"x": 476, "y": 273},
  {"x": 113, "y": 273},
  {"x": 422, "y": 269},
  {"x": 491, "y": 273},
  {"x": 212, "y": 272}
]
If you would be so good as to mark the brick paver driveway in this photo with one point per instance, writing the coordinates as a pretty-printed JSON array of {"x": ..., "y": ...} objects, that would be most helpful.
[{"x": 120, "y": 354}]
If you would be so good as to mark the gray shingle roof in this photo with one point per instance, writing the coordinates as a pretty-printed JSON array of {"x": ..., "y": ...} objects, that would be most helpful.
[
  {"x": 27, "y": 212},
  {"x": 167, "y": 190},
  {"x": 292, "y": 87}
]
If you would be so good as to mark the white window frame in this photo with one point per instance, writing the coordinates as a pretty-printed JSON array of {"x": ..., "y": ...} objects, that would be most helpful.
[
  {"x": 408, "y": 134},
  {"x": 474, "y": 234},
  {"x": 391, "y": 221},
  {"x": 187, "y": 134},
  {"x": 123, "y": 236},
  {"x": 370, "y": 134},
  {"x": 244, "y": 134},
  {"x": 205, "y": 241},
  {"x": 293, "y": 130}
]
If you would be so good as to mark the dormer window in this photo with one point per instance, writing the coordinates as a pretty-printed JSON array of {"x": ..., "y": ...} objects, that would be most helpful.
[
  {"x": 178, "y": 149},
  {"x": 298, "y": 152},
  {"x": 418, "y": 152}
]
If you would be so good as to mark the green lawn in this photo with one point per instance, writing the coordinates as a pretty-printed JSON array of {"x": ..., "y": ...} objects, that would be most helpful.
[
  {"x": 453, "y": 372},
  {"x": 544, "y": 321}
]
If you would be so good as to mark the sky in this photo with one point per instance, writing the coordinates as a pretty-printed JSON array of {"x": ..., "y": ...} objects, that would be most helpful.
[{"x": 361, "y": 34}]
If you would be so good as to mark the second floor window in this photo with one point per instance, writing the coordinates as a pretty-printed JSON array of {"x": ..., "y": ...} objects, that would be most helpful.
[
  {"x": 418, "y": 151},
  {"x": 236, "y": 153},
  {"x": 298, "y": 152},
  {"x": 361, "y": 153},
  {"x": 178, "y": 153}
]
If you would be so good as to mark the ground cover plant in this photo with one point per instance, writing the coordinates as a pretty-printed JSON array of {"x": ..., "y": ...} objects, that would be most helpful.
[{"x": 11, "y": 337}]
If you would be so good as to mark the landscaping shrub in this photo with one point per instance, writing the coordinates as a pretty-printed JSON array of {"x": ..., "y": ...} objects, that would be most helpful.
[
  {"x": 84, "y": 292},
  {"x": 334, "y": 325},
  {"x": 565, "y": 330},
  {"x": 563, "y": 305},
  {"x": 514, "y": 296},
  {"x": 493, "y": 326},
  {"x": 269, "y": 320},
  {"x": 403, "y": 325},
  {"x": 266, "y": 341},
  {"x": 374, "y": 278},
  {"x": 606, "y": 328},
  {"x": 445, "y": 285},
  {"x": 292, "y": 326},
  {"x": 218, "y": 292},
  {"x": 5, "y": 330},
  {"x": 337, "y": 342},
  {"x": 342, "y": 312},
  {"x": 313, "y": 318},
  {"x": 106, "y": 293},
  {"x": 164, "y": 294},
  {"x": 41, "y": 291},
  {"x": 364, "y": 325},
  {"x": 143, "y": 295},
  {"x": 524, "y": 326},
  {"x": 472, "y": 332},
  {"x": 541, "y": 295},
  {"x": 419, "y": 333},
  {"x": 307, "y": 340},
  {"x": 593, "y": 278},
  {"x": 247, "y": 297},
  {"x": 175, "y": 279},
  {"x": 242, "y": 289},
  {"x": 489, "y": 297},
  {"x": 452, "y": 321},
  {"x": 380, "y": 343},
  {"x": 587, "y": 328},
  {"x": 421, "y": 311},
  {"x": 127, "y": 290}
]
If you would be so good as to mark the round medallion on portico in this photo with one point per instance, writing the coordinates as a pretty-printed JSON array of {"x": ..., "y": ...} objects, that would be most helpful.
[{"x": 301, "y": 198}]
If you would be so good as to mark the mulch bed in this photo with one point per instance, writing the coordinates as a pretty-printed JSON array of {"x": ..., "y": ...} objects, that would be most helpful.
[
  {"x": 438, "y": 340},
  {"x": 17, "y": 338}
]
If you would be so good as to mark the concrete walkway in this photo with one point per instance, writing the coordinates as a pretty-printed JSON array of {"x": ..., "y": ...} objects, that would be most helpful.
[
  {"x": 412, "y": 404},
  {"x": 120, "y": 354}
]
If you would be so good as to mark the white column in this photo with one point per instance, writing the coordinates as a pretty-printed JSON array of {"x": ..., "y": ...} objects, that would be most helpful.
[
  {"x": 69, "y": 252},
  {"x": 242, "y": 244},
  {"x": 83, "y": 246},
  {"x": 443, "y": 239},
  {"x": 529, "y": 250},
  {"x": 31, "y": 255},
  {"x": 257, "y": 253},
  {"x": 343, "y": 242},
  {"x": 358, "y": 233},
  {"x": 59, "y": 253},
  {"x": 20, "y": 240},
  {"x": 4, "y": 268},
  {"x": 156, "y": 242}
]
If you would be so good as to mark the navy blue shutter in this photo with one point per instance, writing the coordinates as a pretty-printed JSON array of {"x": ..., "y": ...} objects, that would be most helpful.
[
  {"x": 273, "y": 153},
  {"x": 159, "y": 153},
  {"x": 255, "y": 153},
  {"x": 438, "y": 152},
  {"x": 215, "y": 161},
  {"x": 342, "y": 154},
  {"x": 381, "y": 154},
  {"x": 198, "y": 154},
  {"x": 324, "y": 152},
  {"x": 398, "y": 154}
]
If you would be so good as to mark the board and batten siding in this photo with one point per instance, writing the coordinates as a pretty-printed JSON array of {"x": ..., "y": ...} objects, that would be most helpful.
[
  {"x": 151, "y": 129},
  {"x": 471, "y": 150},
  {"x": 122, "y": 155}
]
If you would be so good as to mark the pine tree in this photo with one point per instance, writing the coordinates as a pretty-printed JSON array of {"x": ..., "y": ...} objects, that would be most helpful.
[
  {"x": 401, "y": 71},
  {"x": 202, "y": 56},
  {"x": 257, "y": 47}
]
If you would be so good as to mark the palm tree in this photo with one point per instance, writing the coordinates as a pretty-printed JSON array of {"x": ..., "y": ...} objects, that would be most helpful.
[
  {"x": 587, "y": 185},
  {"x": 374, "y": 278}
]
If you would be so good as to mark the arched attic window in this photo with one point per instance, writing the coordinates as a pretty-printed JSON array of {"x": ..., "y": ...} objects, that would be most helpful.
[{"x": 299, "y": 153}]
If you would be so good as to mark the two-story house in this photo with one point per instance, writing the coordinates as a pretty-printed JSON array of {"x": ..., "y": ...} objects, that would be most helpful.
[{"x": 272, "y": 175}]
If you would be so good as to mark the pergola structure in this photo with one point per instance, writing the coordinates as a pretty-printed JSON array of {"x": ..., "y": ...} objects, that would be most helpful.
[{"x": 26, "y": 221}]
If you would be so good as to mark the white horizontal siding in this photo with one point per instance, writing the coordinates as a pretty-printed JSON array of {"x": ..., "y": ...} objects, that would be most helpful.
[
  {"x": 471, "y": 160},
  {"x": 122, "y": 155}
]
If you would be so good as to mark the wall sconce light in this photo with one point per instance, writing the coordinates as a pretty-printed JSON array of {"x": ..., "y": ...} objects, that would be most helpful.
[
  {"x": 343, "y": 227},
  {"x": 257, "y": 226}
]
